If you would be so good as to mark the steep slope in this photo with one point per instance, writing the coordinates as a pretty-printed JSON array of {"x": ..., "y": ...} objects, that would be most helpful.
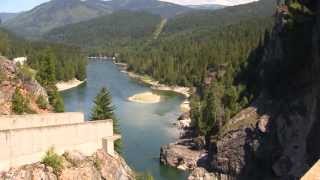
[
  {"x": 119, "y": 27},
  {"x": 54, "y": 14},
  {"x": 13, "y": 77},
  {"x": 277, "y": 137},
  {"x": 221, "y": 17}
]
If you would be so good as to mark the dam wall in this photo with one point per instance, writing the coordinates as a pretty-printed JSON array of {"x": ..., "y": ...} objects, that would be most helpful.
[
  {"x": 64, "y": 132},
  {"x": 39, "y": 120}
]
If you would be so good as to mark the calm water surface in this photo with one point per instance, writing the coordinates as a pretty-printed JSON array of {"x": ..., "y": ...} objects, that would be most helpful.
[{"x": 145, "y": 127}]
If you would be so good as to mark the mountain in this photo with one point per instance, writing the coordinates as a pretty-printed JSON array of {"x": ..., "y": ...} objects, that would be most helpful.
[
  {"x": 54, "y": 14},
  {"x": 118, "y": 27},
  {"x": 164, "y": 9},
  {"x": 57, "y": 13},
  {"x": 221, "y": 17},
  {"x": 7, "y": 16},
  {"x": 207, "y": 6}
]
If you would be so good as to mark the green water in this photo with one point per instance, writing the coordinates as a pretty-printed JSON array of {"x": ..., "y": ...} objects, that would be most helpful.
[{"x": 145, "y": 127}]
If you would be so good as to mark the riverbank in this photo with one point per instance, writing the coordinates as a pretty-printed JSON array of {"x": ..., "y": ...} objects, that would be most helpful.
[
  {"x": 184, "y": 121},
  {"x": 187, "y": 153},
  {"x": 66, "y": 85}
]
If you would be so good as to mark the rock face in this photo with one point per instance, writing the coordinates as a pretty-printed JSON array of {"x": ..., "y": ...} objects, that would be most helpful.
[
  {"x": 183, "y": 154},
  {"x": 279, "y": 140},
  {"x": 10, "y": 79},
  {"x": 202, "y": 174},
  {"x": 76, "y": 166}
]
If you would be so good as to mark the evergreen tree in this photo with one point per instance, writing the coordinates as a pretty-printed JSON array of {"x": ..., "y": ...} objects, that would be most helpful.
[
  {"x": 55, "y": 99},
  {"x": 103, "y": 109},
  {"x": 47, "y": 70},
  {"x": 19, "y": 104}
]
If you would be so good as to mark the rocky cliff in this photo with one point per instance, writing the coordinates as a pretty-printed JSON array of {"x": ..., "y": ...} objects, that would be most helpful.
[
  {"x": 75, "y": 166},
  {"x": 276, "y": 138},
  {"x": 13, "y": 77}
]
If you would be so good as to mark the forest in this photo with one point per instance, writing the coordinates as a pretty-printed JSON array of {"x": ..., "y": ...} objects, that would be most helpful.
[
  {"x": 208, "y": 59},
  {"x": 52, "y": 62},
  {"x": 69, "y": 61}
]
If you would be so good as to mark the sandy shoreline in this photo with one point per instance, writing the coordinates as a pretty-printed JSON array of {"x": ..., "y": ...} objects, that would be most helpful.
[
  {"x": 66, "y": 85},
  {"x": 155, "y": 85},
  {"x": 145, "y": 98}
]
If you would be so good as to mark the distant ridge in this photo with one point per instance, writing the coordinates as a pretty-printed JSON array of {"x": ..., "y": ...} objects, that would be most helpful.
[
  {"x": 57, "y": 13},
  {"x": 207, "y": 6}
]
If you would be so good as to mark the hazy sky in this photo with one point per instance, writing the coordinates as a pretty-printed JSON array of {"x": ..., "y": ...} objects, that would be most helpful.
[{"x": 23, "y": 5}]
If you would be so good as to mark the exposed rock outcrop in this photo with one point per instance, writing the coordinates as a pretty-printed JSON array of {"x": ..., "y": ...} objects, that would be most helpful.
[
  {"x": 184, "y": 154},
  {"x": 11, "y": 77},
  {"x": 277, "y": 138},
  {"x": 202, "y": 174},
  {"x": 76, "y": 166}
]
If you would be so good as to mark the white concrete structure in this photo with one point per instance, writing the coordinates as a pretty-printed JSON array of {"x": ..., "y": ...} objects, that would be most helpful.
[
  {"x": 25, "y": 139},
  {"x": 20, "y": 60}
]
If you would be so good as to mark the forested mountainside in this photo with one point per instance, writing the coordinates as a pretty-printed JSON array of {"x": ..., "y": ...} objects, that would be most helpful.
[
  {"x": 53, "y": 14},
  {"x": 57, "y": 13},
  {"x": 125, "y": 30},
  {"x": 164, "y": 9},
  {"x": 218, "y": 18},
  {"x": 116, "y": 29}
]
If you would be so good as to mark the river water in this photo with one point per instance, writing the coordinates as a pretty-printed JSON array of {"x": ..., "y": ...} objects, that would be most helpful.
[{"x": 145, "y": 127}]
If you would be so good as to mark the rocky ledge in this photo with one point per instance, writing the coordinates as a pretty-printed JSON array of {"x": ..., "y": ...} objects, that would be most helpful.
[
  {"x": 185, "y": 154},
  {"x": 75, "y": 166}
]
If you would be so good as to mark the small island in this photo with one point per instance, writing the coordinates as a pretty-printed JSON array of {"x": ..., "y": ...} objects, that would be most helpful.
[{"x": 146, "y": 98}]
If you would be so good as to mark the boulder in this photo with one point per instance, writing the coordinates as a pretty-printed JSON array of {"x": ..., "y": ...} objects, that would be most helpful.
[{"x": 180, "y": 155}]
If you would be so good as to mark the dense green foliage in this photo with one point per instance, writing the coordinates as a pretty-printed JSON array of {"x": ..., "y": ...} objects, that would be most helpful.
[
  {"x": 117, "y": 29},
  {"x": 53, "y": 160},
  {"x": 20, "y": 104},
  {"x": 42, "y": 102},
  {"x": 57, "y": 13},
  {"x": 209, "y": 59},
  {"x": 54, "y": 14},
  {"x": 102, "y": 110},
  {"x": 69, "y": 61},
  {"x": 222, "y": 17}
]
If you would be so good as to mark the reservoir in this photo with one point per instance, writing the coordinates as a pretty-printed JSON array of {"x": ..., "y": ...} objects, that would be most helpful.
[{"x": 144, "y": 127}]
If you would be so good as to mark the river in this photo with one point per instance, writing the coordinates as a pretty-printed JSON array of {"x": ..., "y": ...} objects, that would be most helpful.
[{"x": 145, "y": 127}]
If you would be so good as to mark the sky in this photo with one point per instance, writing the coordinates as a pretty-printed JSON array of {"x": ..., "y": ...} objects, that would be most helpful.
[{"x": 24, "y": 5}]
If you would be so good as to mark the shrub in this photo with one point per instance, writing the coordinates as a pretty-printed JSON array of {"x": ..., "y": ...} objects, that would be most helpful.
[
  {"x": 19, "y": 103},
  {"x": 97, "y": 163},
  {"x": 53, "y": 160},
  {"x": 144, "y": 176},
  {"x": 42, "y": 102}
]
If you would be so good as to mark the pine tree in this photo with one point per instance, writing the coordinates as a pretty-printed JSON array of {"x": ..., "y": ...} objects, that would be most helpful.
[
  {"x": 55, "y": 99},
  {"x": 18, "y": 102},
  {"x": 103, "y": 109}
]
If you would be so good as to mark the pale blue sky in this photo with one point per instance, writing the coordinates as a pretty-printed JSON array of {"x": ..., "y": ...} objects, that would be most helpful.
[
  {"x": 24, "y": 5},
  {"x": 18, "y": 5}
]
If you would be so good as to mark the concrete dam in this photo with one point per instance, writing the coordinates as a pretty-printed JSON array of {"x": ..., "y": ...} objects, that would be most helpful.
[{"x": 24, "y": 139}]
